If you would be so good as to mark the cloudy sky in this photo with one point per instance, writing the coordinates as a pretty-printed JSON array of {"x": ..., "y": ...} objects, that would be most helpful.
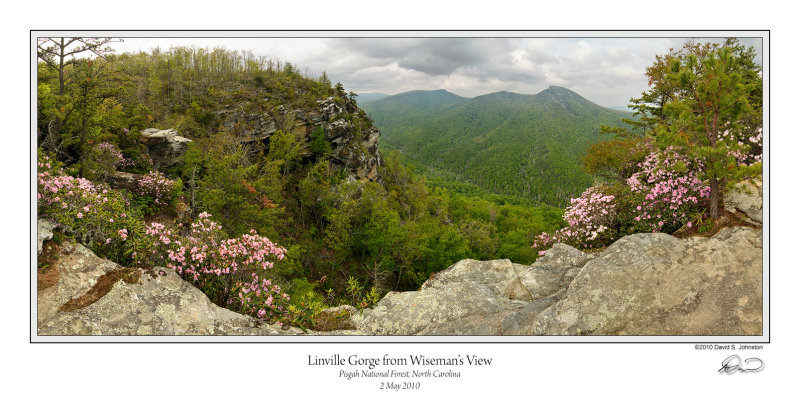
[{"x": 608, "y": 71}]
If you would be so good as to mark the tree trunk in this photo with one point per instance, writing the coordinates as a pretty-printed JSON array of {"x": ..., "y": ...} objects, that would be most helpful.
[
  {"x": 714, "y": 197},
  {"x": 61, "y": 69}
]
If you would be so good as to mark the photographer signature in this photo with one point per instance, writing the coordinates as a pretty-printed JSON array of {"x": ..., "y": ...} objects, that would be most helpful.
[{"x": 734, "y": 364}]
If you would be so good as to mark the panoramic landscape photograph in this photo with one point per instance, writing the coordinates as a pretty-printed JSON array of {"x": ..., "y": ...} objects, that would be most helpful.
[{"x": 399, "y": 185}]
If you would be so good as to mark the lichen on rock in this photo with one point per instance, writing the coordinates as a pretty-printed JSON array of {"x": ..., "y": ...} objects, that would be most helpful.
[{"x": 155, "y": 302}]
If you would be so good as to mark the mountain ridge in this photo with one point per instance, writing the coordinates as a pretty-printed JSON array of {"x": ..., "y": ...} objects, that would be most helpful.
[
  {"x": 507, "y": 143},
  {"x": 551, "y": 91}
]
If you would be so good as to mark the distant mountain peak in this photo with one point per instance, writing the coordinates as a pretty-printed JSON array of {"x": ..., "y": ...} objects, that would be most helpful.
[
  {"x": 520, "y": 145},
  {"x": 555, "y": 91}
]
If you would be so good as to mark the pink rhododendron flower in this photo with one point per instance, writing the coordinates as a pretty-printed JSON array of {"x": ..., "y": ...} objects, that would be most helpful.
[{"x": 204, "y": 252}]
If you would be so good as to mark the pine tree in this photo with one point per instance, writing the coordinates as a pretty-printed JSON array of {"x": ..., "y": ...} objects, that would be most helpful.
[
  {"x": 704, "y": 99},
  {"x": 59, "y": 53}
]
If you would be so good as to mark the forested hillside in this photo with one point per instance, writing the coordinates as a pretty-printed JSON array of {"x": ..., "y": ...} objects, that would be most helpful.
[
  {"x": 262, "y": 160},
  {"x": 527, "y": 146}
]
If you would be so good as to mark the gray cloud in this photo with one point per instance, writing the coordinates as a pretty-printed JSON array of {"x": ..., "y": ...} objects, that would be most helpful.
[{"x": 434, "y": 56}]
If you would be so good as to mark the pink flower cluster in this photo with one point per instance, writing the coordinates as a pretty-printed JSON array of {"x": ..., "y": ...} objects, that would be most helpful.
[
  {"x": 667, "y": 204},
  {"x": 671, "y": 191},
  {"x": 659, "y": 166},
  {"x": 78, "y": 206},
  {"x": 111, "y": 155},
  {"x": 204, "y": 251},
  {"x": 44, "y": 164},
  {"x": 745, "y": 147},
  {"x": 157, "y": 186},
  {"x": 260, "y": 298},
  {"x": 589, "y": 218},
  {"x": 665, "y": 193}
]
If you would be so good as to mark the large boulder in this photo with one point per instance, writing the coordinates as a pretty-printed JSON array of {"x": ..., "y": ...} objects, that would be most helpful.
[
  {"x": 93, "y": 296},
  {"x": 421, "y": 312},
  {"x": 553, "y": 271},
  {"x": 471, "y": 297},
  {"x": 165, "y": 147},
  {"x": 655, "y": 284}
]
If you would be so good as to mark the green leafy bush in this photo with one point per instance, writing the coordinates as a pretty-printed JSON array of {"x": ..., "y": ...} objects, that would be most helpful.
[{"x": 96, "y": 216}]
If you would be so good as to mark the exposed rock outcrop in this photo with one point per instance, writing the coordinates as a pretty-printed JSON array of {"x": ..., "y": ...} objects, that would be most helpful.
[
  {"x": 746, "y": 199},
  {"x": 94, "y": 296},
  {"x": 44, "y": 232},
  {"x": 125, "y": 180},
  {"x": 474, "y": 297},
  {"x": 643, "y": 284},
  {"x": 165, "y": 147},
  {"x": 353, "y": 148},
  {"x": 655, "y": 284}
]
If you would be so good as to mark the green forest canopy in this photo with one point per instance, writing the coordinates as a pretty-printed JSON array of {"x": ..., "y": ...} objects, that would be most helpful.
[{"x": 390, "y": 234}]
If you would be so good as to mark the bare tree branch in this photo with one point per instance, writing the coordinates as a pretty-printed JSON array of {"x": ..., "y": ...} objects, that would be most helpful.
[{"x": 62, "y": 53}]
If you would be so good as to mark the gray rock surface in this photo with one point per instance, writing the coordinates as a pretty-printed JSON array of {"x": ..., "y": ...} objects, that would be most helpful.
[
  {"x": 548, "y": 274},
  {"x": 410, "y": 312},
  {"x": 248, "y": 126},
  {"x": 475, "y": 298},
  {"x": 519, "y": 323},
  {"x": 44, "y": 232},
  {"x": 78, "y": 271},
  {"x": 165, "y": 147},
  {"x": 141, "y": 303},
  {"x": 746, "y": 198},
  {"x": 643, "y": 284},
  {"x": 655, "y": 284},
  {"x": 124, "y": 180},
  {"x": 499, "y": 276}
]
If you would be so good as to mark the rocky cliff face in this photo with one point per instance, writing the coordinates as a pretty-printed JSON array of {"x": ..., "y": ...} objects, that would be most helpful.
[
  {"x": 643, "y": 284},
  {"x": 354, "y": 145}
]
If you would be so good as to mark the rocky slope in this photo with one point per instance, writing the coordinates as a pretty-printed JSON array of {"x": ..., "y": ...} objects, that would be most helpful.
[
  {"x": 354, "y": 141},
  {"x": 643, "y": 284}
]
